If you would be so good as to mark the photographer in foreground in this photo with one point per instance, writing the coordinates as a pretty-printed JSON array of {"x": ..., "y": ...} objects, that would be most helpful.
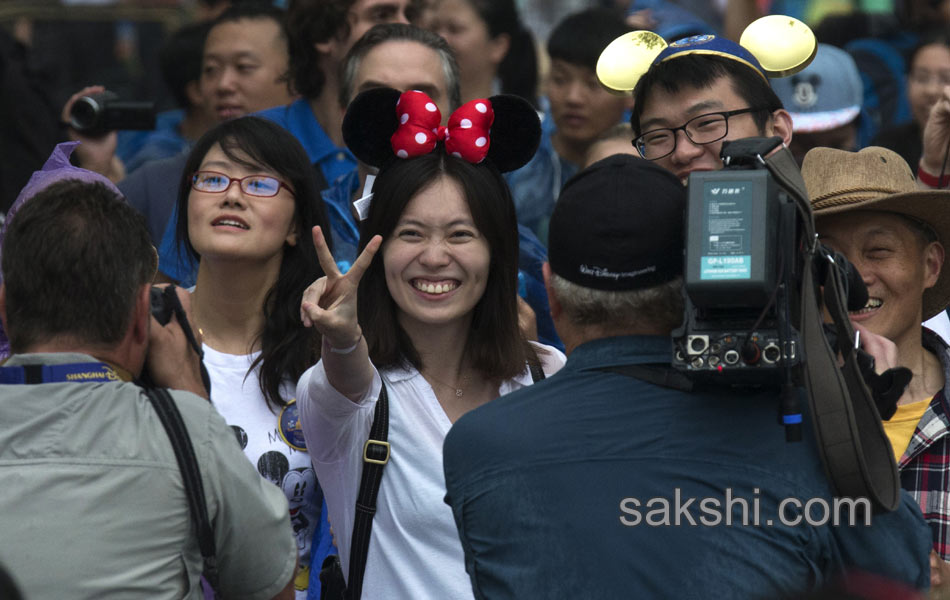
[
  {"x": 631, "y": 488},
  {"x": 90, "y": 477}
]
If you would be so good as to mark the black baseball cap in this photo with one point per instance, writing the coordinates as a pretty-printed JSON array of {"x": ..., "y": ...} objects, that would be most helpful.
[{"x": 618, "y": 225}]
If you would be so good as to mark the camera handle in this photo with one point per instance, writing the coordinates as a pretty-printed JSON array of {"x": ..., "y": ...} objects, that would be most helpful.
[{"x": 851, "y": 441}]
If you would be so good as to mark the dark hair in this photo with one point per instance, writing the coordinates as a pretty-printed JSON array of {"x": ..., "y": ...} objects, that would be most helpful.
[
  {"x": 287, "y": 348},
  {"x": 581, "y": 37},
  {"x": 311, "y": 22},
  {"x": 518, "y": 71},
  {"x": 495, "y": 344},
  {"x": 388, "y": 32},
  {"x": 180, "y": 60},
  {"x": 933, "y": 37},
  {"x": 253, "y": 10},
  {"x": 702, "y": 71},
  {"x": 75, "y": 257}
]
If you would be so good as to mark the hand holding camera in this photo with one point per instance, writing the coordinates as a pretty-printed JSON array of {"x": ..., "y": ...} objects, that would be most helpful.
[
  {"x": 174, "y": 352},
  {"x": 92, "y": 116}
]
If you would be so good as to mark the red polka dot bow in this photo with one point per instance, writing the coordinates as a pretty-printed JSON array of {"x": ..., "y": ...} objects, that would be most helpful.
[{"x": 466, "y": 135}]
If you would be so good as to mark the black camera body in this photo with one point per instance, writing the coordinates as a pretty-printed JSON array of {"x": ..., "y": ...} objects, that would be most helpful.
[
  {"x": 162, "y": 306},
  {"x": 739, "y": 279},
  {"x": 96, "y": 114}
]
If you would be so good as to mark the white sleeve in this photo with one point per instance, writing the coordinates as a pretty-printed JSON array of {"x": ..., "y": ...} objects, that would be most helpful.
[
  {"x": 551, "y": 358},
  {"x": 332, "y": 423}
]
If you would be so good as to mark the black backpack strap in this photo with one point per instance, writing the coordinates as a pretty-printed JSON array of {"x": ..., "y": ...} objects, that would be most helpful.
[
  {"x": 375, "y": 457},
  {"x": 537, "y": 373},
  {"x": 663, "y": 376},
  {"x": 191, "y": 475}
]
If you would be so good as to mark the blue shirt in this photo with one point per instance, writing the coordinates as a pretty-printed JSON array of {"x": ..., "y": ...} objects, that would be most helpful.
[
  {"x": 577, "y": 470},
  {"x": 345, "y": 233},
  {"x": 536, "y": 186},
  {"x": 298, "y": 119},
  {"x": 164, "y": 141}
]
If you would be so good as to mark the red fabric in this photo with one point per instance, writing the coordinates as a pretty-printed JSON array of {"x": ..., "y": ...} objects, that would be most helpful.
[{"x": 466, "y": 136}]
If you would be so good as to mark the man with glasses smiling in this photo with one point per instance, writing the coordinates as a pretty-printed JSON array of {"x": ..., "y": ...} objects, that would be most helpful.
[{"x": 684, "y": 109}]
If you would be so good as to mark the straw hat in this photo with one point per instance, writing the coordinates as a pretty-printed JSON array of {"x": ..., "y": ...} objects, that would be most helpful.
[{"x": 880, "y": 180}]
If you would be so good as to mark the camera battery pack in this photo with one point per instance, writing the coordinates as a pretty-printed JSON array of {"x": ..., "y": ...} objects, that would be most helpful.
[{"x": 732, "y": 235}]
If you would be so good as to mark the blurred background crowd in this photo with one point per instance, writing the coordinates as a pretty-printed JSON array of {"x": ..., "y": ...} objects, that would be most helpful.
[{"x": 50, "y": 49}]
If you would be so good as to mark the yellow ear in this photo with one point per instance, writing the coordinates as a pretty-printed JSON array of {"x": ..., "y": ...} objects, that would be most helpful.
[
  {"x": 782, "y": 45},
  {"x": 625, "y": 60}
]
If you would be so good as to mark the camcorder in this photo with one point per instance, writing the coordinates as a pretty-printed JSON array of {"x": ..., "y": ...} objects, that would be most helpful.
[
  {"x": 758, "y": 288},
  {"x": 97, "y": 114}
]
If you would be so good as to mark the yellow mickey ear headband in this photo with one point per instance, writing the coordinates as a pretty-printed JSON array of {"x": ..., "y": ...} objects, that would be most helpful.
[{"x": 774, "y": 46}]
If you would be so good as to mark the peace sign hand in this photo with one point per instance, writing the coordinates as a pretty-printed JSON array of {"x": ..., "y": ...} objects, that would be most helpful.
[{"x": 329, "y": 303}]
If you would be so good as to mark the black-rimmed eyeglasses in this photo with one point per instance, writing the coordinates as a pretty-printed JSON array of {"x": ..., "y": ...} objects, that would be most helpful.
[
  {"x": 263, "y": 186},
  {"x": 704, "y": 129}
]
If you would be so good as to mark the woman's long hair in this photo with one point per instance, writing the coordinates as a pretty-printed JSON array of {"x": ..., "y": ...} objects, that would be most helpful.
[
  {"x": 287, "y": 348},
  {"x": 495, "y": 345},
  {"x": 518, "y": 71}
]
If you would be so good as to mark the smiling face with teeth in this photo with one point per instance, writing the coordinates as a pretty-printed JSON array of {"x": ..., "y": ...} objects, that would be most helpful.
[
  {"x": 896, "y": 263},
  {"x": 232, "y": 224},
  {"x": 436, "y": 261}
]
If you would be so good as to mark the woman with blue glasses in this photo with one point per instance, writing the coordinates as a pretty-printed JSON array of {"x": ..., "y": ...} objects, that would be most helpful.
[{"x": 246, "y": 204}]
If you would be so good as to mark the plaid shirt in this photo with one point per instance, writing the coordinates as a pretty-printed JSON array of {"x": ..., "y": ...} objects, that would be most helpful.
[{"x": 925, "y": 465}]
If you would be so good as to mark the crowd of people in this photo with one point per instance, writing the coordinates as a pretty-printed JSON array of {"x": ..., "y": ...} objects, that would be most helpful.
[{"x": 424, "y": 267}]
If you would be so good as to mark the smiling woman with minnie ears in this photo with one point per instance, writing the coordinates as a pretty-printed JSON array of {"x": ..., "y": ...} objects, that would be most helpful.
[{"x": 428, "y": 311}]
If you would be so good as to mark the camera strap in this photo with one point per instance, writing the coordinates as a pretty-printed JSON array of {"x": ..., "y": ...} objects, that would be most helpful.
[
  {"x": 177, "y": 433},
  {"x": 851, "y": 441}
]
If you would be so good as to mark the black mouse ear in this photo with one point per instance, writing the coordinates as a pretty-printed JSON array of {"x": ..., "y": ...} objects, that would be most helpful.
[
  {"x": 368, "y": 125},
  {"x": 515, "y": 133}
]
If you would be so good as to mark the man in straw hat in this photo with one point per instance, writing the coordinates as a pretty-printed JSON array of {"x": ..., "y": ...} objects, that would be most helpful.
[{"x": 868, "y": 207}]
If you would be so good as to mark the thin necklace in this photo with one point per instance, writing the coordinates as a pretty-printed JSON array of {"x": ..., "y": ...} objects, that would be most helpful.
[{"x": 457, "y": 388}]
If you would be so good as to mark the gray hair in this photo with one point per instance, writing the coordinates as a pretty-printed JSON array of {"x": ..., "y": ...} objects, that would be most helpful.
[
  {"x": 400, "y": 32},
  {"x": 657, "y": 307}
]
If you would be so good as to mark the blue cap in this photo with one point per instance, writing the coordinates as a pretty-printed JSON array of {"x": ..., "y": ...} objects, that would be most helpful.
[
  {"x": 714, "y": 46},
  {"x": 826, "y": 94}
]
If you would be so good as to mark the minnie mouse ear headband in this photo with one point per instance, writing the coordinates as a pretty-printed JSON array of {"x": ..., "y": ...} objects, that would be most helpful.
[
  {"x": 383, "y": 125},
  {"x": 773, "y": 46}
]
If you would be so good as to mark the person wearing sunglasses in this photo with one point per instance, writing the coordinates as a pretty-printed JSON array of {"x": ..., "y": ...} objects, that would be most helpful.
[{"x": 246, "y": 204}]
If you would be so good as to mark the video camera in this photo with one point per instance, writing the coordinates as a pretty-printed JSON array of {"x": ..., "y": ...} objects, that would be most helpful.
[
  {"x": 96, "y": 114},
  {"x": 757, "y": 288},
  {"x": 743, "y": 272}
]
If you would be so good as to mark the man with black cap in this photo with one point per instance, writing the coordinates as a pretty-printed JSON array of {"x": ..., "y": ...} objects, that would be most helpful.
[{"x": 596, "y": 483}]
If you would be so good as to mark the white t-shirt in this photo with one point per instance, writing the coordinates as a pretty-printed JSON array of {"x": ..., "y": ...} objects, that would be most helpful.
[
  {"x": 236, "y": 394},
  {"x": 414, "y": 551}
]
